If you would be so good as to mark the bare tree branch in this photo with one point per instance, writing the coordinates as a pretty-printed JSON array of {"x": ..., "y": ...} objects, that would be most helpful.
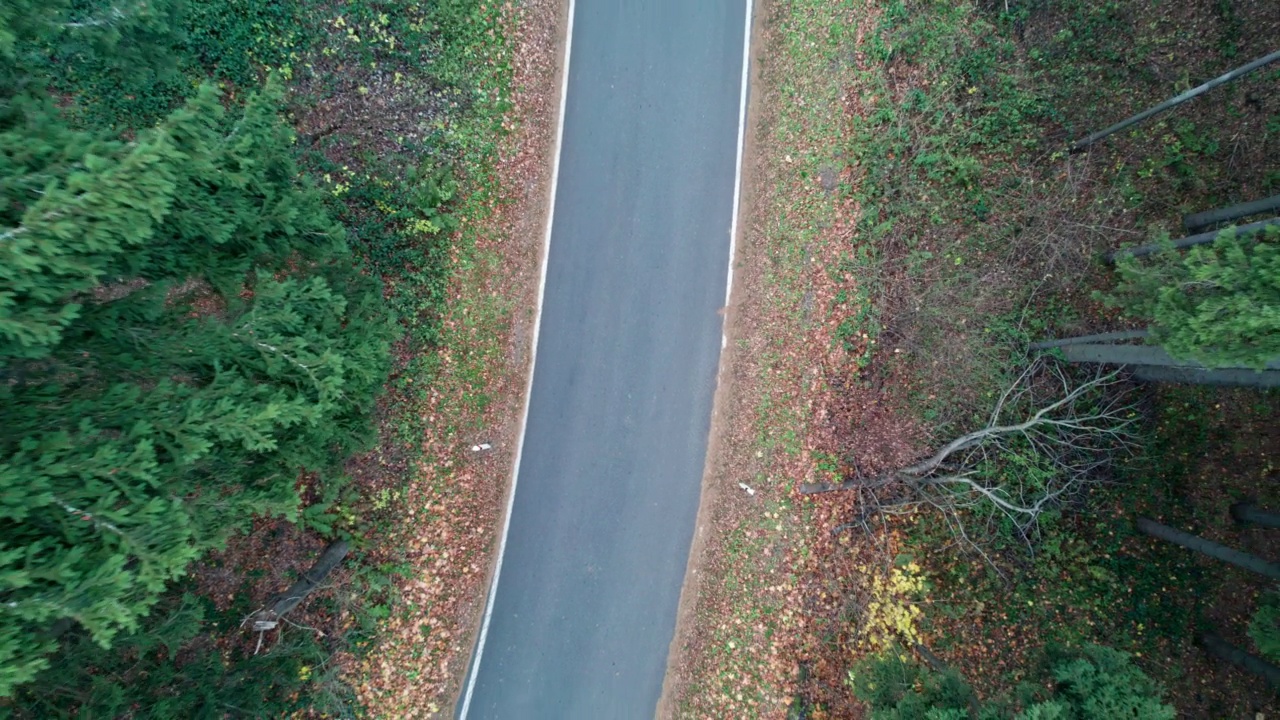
[{"x": 1010, "y": 473}]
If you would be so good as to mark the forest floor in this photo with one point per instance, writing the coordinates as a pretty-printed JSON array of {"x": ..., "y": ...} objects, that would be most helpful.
[
  {"x": 424, "y": 507},
  {"x": 913, "y": 223},
  {"x": 455, "y": 496}
]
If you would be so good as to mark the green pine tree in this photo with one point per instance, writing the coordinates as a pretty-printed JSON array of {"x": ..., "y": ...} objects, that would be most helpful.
[
  {"x": 173, "y": 669},
  {"x": 181, "y": 335},
  {"x": 1217, "y": 304}
]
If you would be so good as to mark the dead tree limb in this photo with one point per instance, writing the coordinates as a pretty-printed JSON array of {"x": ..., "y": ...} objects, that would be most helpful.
[
  {"x": 269, "y": 617},
  {"x": 1012, "y": 471}
]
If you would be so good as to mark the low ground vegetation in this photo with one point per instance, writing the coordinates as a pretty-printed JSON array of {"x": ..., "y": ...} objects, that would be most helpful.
[
  {"x": 920, "y": 225},
  {"x": 979, "y": 234}
]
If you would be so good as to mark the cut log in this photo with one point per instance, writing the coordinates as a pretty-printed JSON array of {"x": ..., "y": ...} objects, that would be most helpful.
[{"x": 1246, "y": 513}]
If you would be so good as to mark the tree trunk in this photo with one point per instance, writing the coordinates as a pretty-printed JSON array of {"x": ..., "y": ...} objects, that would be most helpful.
[
  {"x": 1201, "y": 220},
  {"x": 1246, "y": 513},
  {"x": 1089, "y": 339},
  {"x": 1140, "y": 355},
  {"x": 1174, "y": 102},
  {"x": 1210, "y": 548},
  {"x": 1199, "y": 376},
  {"x": 269, "y": 617},
  {"x": 1190, "y": 240},
  {"x": 1234, "y": 655}
]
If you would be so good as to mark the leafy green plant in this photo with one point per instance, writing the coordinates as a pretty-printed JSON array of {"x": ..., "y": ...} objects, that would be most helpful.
[{"x": 1091, "y": 682}]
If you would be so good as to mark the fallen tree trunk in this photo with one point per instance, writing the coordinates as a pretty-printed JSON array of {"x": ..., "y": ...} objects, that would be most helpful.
[
  {"x": 1229, "y": 377},
  {"x": 1249, "y": 562},
  {"x": 1089, "y": 339},
  {"x": 1202, "y": 220},
  {"x": 1149, "y": 355},
  {"x": 1234, "y": 655},
  {"x": 1247, "y": 513},
  {"x": 1191, "y": 240},
  {"x": 269, "y": 617},
  {"x": 1175, "y": 101}
]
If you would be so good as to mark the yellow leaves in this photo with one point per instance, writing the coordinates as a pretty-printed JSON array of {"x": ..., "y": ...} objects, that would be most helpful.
[{"x": 891, "y": 615}]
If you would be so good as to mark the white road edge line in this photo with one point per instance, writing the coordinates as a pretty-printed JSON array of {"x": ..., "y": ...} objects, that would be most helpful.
[
  {"x": 533, "y": 361},
  {"x": 737, "y": 173}
]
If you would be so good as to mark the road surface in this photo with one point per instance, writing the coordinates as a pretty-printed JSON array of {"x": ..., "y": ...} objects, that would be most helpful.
[{"x": 611, "y": 467}]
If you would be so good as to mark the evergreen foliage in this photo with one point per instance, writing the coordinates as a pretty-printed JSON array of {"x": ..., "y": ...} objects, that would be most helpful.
[
  {"x": 1264, "y": 628},
  {"x": 181, "y": 335},
  {"x": 1092, "y": 682},
  {"x": 174, "y": 670},
  {"x": 1217, "y": 304},
  {"x": 128, "y": 63},
  {"x": 898, "y": 689}
]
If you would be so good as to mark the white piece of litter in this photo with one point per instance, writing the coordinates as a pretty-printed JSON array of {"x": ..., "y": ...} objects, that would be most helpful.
[
  {"x": 481, "y": 446},
  {"x": 744, "y": 487}
]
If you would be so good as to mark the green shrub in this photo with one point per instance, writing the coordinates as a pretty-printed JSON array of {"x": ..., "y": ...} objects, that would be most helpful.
[
  {"x": 1089, "y": 683},
  {"x": 1217, "y": 304},
  {"x": 1264, "y": 628}
]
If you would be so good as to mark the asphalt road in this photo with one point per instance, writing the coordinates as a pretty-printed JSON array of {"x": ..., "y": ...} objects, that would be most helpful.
[{"x": 620, "y": 408}]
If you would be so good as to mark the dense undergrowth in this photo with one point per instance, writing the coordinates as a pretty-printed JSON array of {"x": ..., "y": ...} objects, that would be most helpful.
[
  {"x": 978, "y": 234},
  {"x": 397, "y": 108}
]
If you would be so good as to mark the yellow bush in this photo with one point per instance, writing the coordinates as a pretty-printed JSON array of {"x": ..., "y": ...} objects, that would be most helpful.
[{"x": 891, "y": 614}]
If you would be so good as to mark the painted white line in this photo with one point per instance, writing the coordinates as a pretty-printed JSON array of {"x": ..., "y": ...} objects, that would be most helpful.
[
  {"x": 533, "y": 361},
  {"x": 737, "y": 173}
]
